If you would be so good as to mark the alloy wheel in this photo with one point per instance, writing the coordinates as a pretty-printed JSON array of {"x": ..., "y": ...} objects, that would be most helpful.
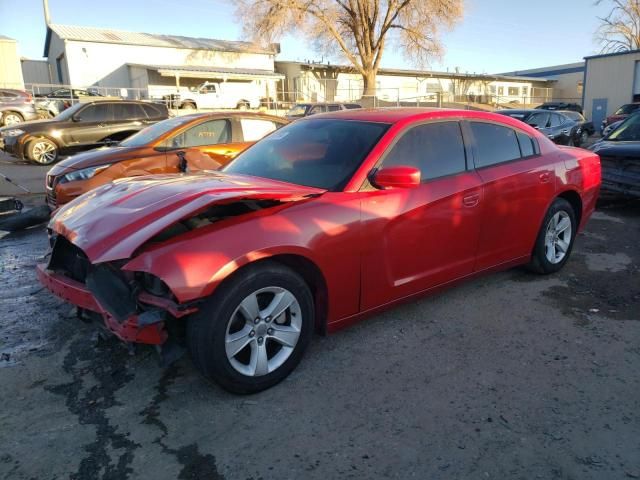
[
  {"x": 558, "y": 237},
  {"x": 44, "y": 152},
  {"x": 263, "y": 331},
  {"x": 12, "y": 119}
]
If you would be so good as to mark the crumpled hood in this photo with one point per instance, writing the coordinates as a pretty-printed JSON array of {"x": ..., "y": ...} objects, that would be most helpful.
[
  {"x": 112, "y": 221},
  {"x": 93, "y": 158}
]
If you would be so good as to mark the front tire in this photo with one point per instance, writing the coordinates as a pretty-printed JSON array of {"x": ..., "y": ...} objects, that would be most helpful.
[
  {"x": 555, "y": 239},
  {"x": 254, "y": 330},
  {"x": 42, "y": 151}
]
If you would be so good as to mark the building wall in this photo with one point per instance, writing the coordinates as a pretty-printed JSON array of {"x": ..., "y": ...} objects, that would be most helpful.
[
  {"x": 568, "y": 79},
  {"x": 58, "y": 61},
  {"x": 37, "y": 72},
  {"x": 610, "y": 77},
  {"x": 10, "y": 70},
  {"x": 101, "y": 64}
]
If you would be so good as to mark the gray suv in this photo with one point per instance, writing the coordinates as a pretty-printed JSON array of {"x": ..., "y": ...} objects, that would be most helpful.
[{"x": 16, "y": 106}]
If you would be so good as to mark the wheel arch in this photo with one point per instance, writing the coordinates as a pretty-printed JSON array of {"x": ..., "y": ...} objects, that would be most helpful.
[
  {"x": 307, "y": 269},
  {"x": 573, "y": 197}
]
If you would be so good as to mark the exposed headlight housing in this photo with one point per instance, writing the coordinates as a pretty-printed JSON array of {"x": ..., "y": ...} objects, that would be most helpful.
[
  {"x": 84, "y": 174},
  {"x": 153, "y": 284},
  {"x": 12, "y": 132}
]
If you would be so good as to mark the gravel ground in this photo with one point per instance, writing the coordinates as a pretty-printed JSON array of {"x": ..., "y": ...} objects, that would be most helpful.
[{"x": 509, "y": 376}]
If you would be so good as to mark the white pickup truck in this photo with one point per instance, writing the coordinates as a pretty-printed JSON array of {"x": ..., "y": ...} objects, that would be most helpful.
[{"x": 241, "y": 95}]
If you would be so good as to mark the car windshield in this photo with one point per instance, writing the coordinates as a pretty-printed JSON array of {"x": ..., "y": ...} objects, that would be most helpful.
[
  {"x": 153, "y": 132},
  {"x": 322, "y": 153},
  {"x": 69, "y": 112},
  {"x": 628, "y": 131},
  {"x": 297, "y": 111},
  {"x": 627, "y": 109}
]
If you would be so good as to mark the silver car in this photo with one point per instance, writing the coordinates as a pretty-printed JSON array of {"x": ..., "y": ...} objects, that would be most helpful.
[{"x": 16, "y": 106}]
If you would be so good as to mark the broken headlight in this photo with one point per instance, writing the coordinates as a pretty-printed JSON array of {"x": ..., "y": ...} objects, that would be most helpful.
[{"x": 84, "y": 174}]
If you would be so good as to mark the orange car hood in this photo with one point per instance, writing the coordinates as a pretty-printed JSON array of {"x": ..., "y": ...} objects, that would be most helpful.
[
  {"x": 95, "y": 157},
  {"x": 112, "y": 221}
]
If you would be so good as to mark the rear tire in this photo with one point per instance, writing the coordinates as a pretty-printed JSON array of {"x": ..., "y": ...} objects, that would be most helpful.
[
  {"x": 11, "y": 118},
  {"x": 235, "y": 342},
  {"x": 555, "y": 239},
  {"x": 188, "y": 106},
  {"x": 243, "y": 106},
  {"x": 42, "y": 151}
]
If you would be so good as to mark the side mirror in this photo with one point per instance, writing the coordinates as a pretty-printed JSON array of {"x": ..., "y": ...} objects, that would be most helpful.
[
  {"x": 397, "y": 177},
  {"x": 76, "y": 118}
]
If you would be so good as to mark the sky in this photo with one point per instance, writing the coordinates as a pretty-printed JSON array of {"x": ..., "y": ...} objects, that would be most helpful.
[{"x": 494, "y": 36}]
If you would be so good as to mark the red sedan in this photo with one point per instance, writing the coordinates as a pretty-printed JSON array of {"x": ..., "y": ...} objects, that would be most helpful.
[{"x": 324, "y": 221}]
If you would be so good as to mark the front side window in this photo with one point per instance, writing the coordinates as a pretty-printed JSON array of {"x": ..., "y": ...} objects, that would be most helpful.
[
  {"x": 206, "y": 133},
  {"x": 153, "y": 132},
  {"x": 322, "y": 153},
  {"x": 629, "y": 131},
  {"x": 100, "y": 112},
  {"x": 494, "y": 144},
  {"x": 253, "y": 130},
  {"x": 627, "y": 109},
  {"x": 436, "y": 149},
  {"x": 318, "y": 109}
]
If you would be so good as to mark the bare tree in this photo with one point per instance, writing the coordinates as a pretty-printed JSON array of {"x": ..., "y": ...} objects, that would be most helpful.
[
  {"x": 619, "y": 31},
  {"x": 357, "y": 29}
]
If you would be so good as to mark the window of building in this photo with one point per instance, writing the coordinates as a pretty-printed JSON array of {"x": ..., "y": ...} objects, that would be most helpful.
[
  {"x": 59, "y": 68},
  {"x": 525, "y": 91},
  {"x": 494, "y": 144},
  {"x": 514, "y": 91},
  {"x": 500, "y": 90},
  {"x": 436, "y": 149}
]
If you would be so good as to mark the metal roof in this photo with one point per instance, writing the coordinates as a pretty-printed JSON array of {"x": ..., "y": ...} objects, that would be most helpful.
[
  {"x": 104, "y": 35},
  {"x": 613, "y": 54},
  {"x": 211, "y": 72},
  {"x": 422, "y": 73}
]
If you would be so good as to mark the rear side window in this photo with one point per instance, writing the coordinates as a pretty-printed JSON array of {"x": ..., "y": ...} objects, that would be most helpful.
[
  {"x": 436, "y": 149},
  {"x": 494, "y": 144},
  {"x": 540, "y": 120},
  {"x": 128, "y": 111},
  {"x": 100, "y": 112},
  {"x": 334, "y": 108},
  {"x": 152, "y": 111},
  {"x": 556, "y": 120},
  {"x": 318, "y": 109},
  {"x": 526, "y": 144},
  {"x": 207, "y": 133},
  {"x": 253, "y": 130}
]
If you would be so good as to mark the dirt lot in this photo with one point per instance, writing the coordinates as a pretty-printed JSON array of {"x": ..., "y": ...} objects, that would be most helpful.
[{"x": 511, "y": 376}]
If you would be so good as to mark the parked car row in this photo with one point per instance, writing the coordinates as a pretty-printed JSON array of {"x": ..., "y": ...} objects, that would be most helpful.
[
  {"x": 320, "y": 223},
  {"x": 16, "y": 106},
  {"x": 563, "y": 127}
]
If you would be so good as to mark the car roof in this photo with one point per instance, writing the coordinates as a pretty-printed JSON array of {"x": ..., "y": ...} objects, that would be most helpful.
[
  {"x": 230, "y": 114},
  {"x": 406, "y": 114}
]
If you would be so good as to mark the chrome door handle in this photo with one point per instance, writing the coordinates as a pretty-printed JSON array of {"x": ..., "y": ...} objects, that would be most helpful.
[{"x": 471, "y": 200}]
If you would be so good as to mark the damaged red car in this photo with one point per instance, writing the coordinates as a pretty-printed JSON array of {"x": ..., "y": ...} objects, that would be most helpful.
[{"x": 322, "y": 222}]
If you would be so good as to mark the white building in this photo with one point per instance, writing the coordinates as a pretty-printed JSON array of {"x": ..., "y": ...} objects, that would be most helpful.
[
  {"x": 10, "y": 71},
  {"x": 152, "y": 63},
  {"x": 568, "y": 80},
  {"x": 325, "y": 82}
]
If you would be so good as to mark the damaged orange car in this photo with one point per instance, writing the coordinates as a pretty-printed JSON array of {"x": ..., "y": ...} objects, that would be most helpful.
[{"x": 189, "y": 143}]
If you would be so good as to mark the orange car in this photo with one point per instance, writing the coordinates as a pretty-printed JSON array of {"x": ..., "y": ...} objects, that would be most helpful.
[{"x": 203, "y": 141}]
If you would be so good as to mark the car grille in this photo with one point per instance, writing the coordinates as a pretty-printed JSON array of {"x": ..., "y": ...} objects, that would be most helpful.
[{"x": 68, "y": 259}]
